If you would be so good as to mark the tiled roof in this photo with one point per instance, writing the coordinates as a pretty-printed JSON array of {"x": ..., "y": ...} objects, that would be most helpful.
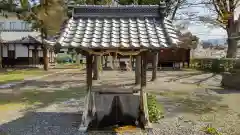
[
  {"x": 115, "y": 27},
  {"x": 24, "y": 40}
]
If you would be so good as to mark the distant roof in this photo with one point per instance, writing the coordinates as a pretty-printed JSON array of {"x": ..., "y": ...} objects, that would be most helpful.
[
  {"x": 11, "y": 36},
  {"x": 24, "y": 40},
  {"x": 132, "y": 26}
]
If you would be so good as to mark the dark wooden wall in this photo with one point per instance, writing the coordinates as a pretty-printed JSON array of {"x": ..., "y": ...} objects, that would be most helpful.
[{"x": 169, "y": 55}]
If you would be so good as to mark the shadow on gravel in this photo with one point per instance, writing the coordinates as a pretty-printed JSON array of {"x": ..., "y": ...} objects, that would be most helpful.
[
  {"x": 226, "y": 91},
  {"x": 202, "y": 80},
  {"x": 188, "y": 103},
  {"x": 41, "y": 98},
  {"x": 43, "y": 123},
  {"x": 47, "y": 84},
  {"x": 184, "y": 76}
]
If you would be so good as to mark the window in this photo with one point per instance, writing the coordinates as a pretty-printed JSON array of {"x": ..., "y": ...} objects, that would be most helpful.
[
  {"x": 27, "y": 26},
  {"x": 12, "y": 25},
  {"x": 1, "y": 25},
  {"x": 23, "y": 25}
]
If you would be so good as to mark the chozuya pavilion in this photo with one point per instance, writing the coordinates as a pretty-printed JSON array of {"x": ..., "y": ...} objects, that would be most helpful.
[{"x": 123, "y": 30}]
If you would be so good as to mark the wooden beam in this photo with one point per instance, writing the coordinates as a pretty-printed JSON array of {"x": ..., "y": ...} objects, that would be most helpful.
[
  {"x": 154, "y": 66},
  {"x": 137, "y": 69},
  {"x": 89, "y": 71},
  {"x": 96, "y": 67},
  {"x": 2, "y": 56}
]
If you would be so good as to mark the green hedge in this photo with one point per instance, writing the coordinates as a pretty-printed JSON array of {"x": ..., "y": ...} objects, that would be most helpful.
[
  {"x": 62, "y": 58},
  {"x": 213, "y": 64}
]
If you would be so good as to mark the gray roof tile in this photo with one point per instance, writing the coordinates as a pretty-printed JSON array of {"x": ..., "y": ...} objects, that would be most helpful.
[{"x": 114, "y": 32}]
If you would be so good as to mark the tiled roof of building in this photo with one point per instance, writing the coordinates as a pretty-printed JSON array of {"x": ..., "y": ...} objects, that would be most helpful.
[
  {"x": 24, "y": 40},
  {"x": 118, "y": 27}
]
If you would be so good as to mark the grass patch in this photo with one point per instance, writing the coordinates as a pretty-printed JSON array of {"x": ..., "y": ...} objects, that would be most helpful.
[
  {"x": 211, "y": 130},
  {"x": 18, "y": 75},
  {"x": 155, "y": 110},
  {"x": 70, "y": 65},
  {"x": 173, "y": 93},
  {"x": 12, "y": 106}
]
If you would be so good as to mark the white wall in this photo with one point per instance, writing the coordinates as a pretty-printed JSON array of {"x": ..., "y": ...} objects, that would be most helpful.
[
  {"x": 21, "y": 51},
  {"x": 4, "y": 51},
  {"x": 237, "y": 12}
]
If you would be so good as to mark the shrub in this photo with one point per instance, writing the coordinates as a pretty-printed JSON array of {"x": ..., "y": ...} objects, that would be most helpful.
[
  {"x": 155, "y": 110},
  {"x": 63, "y": 58},
  {"x": 213, "y": 64},
  {"x": 211, "y": 130}
]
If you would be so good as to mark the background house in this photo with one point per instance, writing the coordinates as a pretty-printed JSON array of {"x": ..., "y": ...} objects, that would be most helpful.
[{"x": 20, "y": 46}]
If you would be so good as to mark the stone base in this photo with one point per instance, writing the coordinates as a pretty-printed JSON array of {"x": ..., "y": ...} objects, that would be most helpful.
[{"x": 231, "y": 80}]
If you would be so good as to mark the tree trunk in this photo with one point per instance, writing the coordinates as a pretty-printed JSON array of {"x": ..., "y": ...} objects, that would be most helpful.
[
  {"x": 96, "y": 67},
  {"x": 231, "y": 31},
  {"x": 232, "y": 46},
  {"x": 138, "y": 70},
  {"x": 154, "y": 66},
  {"x": 45, "y": 58},
  {"x": 44, "y": 47}
]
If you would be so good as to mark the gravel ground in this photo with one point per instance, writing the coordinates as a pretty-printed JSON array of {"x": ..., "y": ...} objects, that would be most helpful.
[{"x": 184, "y": 108}]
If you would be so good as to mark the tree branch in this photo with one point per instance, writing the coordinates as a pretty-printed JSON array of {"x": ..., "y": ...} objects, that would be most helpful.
[
  {"x": 215, "y": 5},
  {"x": 175, "y": 9}
]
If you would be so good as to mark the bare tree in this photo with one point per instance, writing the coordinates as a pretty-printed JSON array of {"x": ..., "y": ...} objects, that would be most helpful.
[
  {"x": 188, "y": 40},
  {"x": 223, "y": 16}
]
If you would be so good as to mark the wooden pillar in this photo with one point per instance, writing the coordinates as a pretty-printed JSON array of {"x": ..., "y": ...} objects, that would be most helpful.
[
  {"x": 89, "y": 71},
  {"x": 96, "y": 67},
  {"x": 1, "y": 56},
  {"x": 154, "y": 66},
  {"x": 133, "y": 61},
  {"x": 78, "y": 58},
  {"x": 105, "y": 61},
  {"x": 35, "y": 56},
  {"x": 28, "y": 55},
  {"x": 114, "y": 61},
  {"x": 8, "y": 60},
  {"x": 50, "y": 56},
  {"x": 143, "y": 70},
  {"x": 143, "y": 85},
  {"x": 188, "y": 57},
  {"x": 130, "y": 63},
  {"x": 102, "y": 61},
  {"x": 14, "y": 59},
  {"x": 137, "y": 69}
]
